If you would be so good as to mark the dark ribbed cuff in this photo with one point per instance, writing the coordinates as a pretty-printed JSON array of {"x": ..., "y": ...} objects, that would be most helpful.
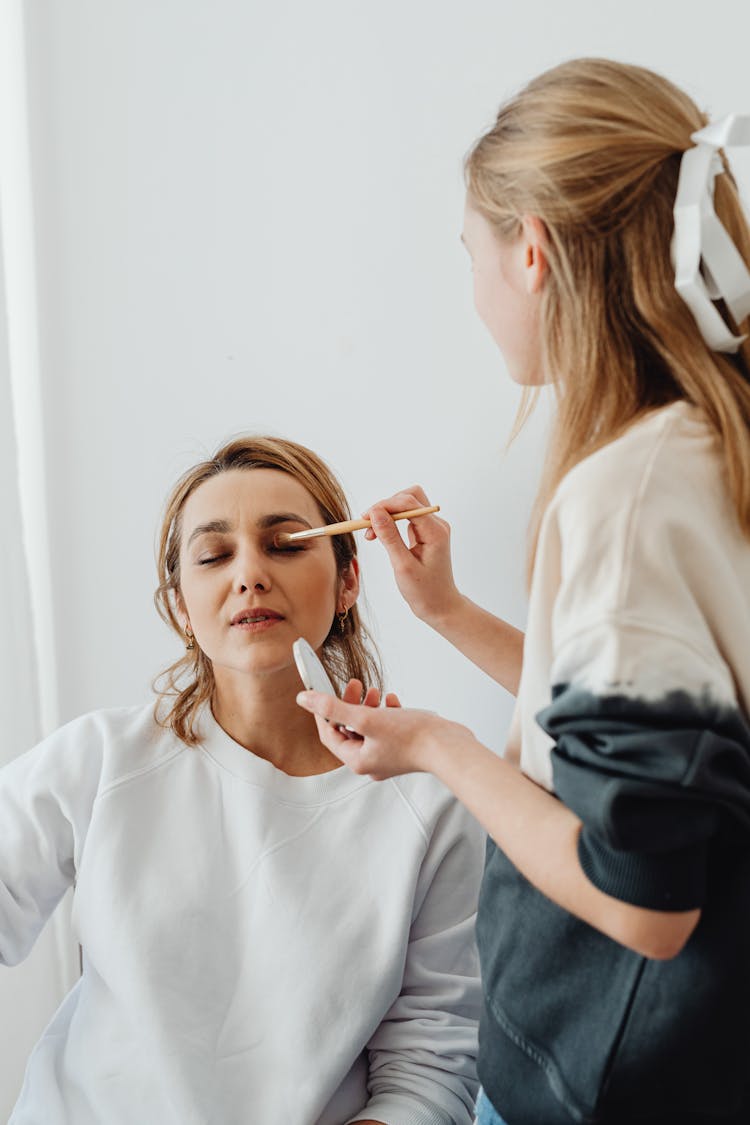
[{"x": 655, "y": 880}]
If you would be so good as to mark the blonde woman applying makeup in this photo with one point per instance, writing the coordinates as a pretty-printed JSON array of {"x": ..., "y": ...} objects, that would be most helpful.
[
  {"x": 266, "y": 936},
  {"x": 610, "y": 255}
]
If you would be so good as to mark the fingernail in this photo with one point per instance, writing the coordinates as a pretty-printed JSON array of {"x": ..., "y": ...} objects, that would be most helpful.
[{"x": 303, "y": 698}]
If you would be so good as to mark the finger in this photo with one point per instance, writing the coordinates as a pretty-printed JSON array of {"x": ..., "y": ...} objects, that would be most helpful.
[
  {"x": 341, "y": 744},
  {"x": 419, "y": 493},
  {"x": 425, "y": 531},
  {"x": 372, "y": 697},
  {"x": 389, "y": 535},
  {"x": 333, "y": 709},
  {"x": 329, "y": 735},
  {"x": 349, "y": 751},
  {"x": 404, "y": 501},
  {"x": 352, "y": 692},
  {"x": 430, "y": 532},
  {"x": 392, "y": 700},
  {"x": 429, "y": 527}
]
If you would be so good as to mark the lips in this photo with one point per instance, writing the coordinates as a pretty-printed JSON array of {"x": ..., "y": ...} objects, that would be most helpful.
[{"x": 255, "y": 615}]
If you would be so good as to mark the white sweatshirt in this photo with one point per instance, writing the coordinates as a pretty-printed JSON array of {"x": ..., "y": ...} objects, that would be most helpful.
[{"x": 257, "y": 948}]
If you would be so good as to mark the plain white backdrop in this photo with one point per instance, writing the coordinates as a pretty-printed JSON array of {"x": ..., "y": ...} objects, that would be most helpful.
[{"x": 246, "y": 217}]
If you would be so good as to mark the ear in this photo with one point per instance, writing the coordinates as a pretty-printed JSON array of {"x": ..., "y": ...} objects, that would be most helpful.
[
  {"x": 349, "y": 588},
  {"x": 535, "y": 243}
]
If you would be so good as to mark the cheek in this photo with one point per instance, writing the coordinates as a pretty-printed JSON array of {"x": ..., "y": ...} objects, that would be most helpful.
[
  {"x": 480, "y": 294},
  {"x": 191, "y": 606},
  {"x": 323, "y": 586},
  {"x": 317, "y": 594},
  {"x": 489, "y": 298},
  {"x": 502, "y": 311},
  {"x": 198, "y": 595}
]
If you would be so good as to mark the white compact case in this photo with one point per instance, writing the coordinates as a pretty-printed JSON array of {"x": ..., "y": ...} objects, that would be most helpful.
[
  {"x": 312, "y": 673},
  {"x": 314, "y": 676}
]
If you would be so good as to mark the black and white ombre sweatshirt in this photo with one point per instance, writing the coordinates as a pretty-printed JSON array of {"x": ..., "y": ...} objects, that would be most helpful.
[{"x": 634, "y": 709}]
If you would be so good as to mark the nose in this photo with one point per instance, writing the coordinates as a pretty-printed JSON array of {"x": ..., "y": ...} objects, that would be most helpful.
[{"x": 251, "y": 572}]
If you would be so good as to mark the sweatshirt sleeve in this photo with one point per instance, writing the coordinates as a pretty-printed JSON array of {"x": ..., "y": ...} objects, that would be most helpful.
[
  {"x": 423, "y": 1054},
  {"x": 655, "y": 783},
  {"x": 45, "y": 801}
]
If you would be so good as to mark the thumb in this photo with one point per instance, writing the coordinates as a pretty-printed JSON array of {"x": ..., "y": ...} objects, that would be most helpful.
[{"x": 388, "y": 534}]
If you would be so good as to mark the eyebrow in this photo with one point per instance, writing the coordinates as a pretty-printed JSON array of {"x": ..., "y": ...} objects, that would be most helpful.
[
  {"x": 222, "y": 527},
  {"x": 282, "y": 517}
]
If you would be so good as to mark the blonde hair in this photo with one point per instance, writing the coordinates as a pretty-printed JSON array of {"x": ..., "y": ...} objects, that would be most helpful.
[
  {"x": 593, "y": 148},
  {"x": 348, "y": 652}
]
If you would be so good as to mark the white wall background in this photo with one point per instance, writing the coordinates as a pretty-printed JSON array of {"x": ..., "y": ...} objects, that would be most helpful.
[{"x": 246, "y": 218}]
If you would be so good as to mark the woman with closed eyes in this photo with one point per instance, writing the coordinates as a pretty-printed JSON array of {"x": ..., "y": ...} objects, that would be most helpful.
[{"x": 266, "y": 936}]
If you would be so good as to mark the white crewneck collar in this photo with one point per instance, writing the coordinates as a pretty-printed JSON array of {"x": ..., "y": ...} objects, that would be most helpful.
[{"x": 313, "y": 789}]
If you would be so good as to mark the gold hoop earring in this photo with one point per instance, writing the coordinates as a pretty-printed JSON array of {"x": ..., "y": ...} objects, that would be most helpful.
[
  {"x": 189, "y": 639},
  {"x": 342, "y": 618}
]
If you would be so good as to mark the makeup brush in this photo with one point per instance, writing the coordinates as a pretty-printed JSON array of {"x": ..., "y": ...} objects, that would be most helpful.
[{"x": 284, "y": 537}]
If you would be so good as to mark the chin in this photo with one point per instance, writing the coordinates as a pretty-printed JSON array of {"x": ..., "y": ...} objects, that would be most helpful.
[
  {"x": 257, "y": 661},
  {"x": 528, "y": 379},
  {"x": 269, "y": 663}
]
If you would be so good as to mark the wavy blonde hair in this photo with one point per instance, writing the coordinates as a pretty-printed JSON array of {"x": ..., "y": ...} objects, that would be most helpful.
[
  {"x": 593, "y": 148},
  {"x": 348, "y": 651}
]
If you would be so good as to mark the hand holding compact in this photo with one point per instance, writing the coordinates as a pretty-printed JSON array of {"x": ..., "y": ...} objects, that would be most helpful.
[{"x": 393, "y": 740}]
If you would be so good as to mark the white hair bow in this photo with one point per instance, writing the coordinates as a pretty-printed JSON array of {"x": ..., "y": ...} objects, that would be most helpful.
[{"x": 708, "y": 265}]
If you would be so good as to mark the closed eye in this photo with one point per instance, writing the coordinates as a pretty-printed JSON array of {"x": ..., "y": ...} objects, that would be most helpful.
[{"x": 211, "y": 559}]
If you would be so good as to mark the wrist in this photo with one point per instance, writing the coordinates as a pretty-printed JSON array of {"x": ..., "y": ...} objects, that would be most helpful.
[
  {"x": 444, "y": 745},
  {"x": 449, "y": 612}
]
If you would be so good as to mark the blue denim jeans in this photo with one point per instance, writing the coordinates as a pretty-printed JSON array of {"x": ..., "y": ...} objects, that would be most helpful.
[{"x": 486, "y": 1112}]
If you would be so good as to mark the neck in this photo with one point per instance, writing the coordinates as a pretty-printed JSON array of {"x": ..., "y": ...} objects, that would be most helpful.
[{"x": 260, "y": 713}]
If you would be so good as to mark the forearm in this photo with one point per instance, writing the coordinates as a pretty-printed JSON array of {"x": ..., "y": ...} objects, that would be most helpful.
[
  {"x": 489, "y": 642},
  {"x": 540, "y": 837},
  {"x": 537, "y": 832}
]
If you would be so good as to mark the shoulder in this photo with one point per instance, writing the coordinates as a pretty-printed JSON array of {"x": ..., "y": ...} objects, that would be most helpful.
[
  {"x": 112, "y": 743},
  {"x": 651, "y": 505},
  {"x": 653, "y": 566},
  {"x": 437, "y": 814},
  {"x": 452, "y": 852},
  {"x": 659, "y": 464}
]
